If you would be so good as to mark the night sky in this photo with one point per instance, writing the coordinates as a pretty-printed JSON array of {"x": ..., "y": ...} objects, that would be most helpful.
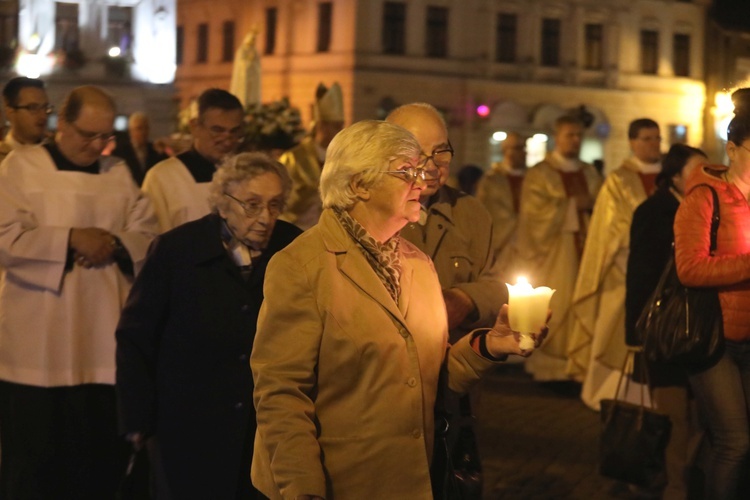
[{"x": 732, "y": 13}]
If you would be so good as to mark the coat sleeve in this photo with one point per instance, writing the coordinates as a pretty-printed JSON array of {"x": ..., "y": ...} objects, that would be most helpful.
[
  {"x": 487, "y": 291},
  {"x": 31, "y": 253},
  {"x": 692, "y": 237},
  {"x": 284, "y": 364},
  {"x": 138, "y": 336}
]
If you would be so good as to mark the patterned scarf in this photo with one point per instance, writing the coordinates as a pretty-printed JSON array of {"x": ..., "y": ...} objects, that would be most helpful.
[{"x": 383, "y": 257}]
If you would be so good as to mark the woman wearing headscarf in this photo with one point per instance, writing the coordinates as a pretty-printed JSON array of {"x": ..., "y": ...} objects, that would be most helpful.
[{"x": 353, "y": 333}]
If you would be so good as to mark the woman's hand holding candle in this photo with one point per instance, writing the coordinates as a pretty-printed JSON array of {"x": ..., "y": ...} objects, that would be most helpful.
[{"x": 502, "y": 340}]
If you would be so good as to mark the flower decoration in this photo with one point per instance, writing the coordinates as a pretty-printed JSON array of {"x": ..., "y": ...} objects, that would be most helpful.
[{"x": 273, "y": 125}]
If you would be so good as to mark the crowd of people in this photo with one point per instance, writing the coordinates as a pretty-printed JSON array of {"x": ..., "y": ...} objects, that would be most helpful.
[{"x": 271, "y": 328}]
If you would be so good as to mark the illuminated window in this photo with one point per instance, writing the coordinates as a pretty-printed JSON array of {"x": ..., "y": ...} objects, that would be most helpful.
[
  {"x": 202, "y": 55},
  {"x": 119, "y": 32},
  {"x": 394, "y": 28},
  {"x": 227, "y": 46},
  {"x": 550, "y": 42},
  {"x": 66, "y": 27},
  {"x": 649, "y": 52},
  {"x": 681, "y": 47},
  {"x": 594, "y": 46},
  {"x": 270, "y": 30},
  {"x": 325, "y": 14},
  {"x": 436, "y": 41},
  {"x": 506, "y": 36}
]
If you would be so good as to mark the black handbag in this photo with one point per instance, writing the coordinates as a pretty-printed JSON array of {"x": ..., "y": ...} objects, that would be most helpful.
[
  {"x": 683, "y": 325},
  {"x": 455, "y": 475},
  {"x": 633, "y": 439}
]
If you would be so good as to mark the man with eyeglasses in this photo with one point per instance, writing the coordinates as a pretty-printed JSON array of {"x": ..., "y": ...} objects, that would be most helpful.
[
  {"x": 178, "y": 186},
  {"x": 455, "y": 231},
  {"x": 27, "y": 109},
  {"x": 305, "y": 161},
  {"x": 597, "y": 348},
  {"x": 74, "y": 229}
]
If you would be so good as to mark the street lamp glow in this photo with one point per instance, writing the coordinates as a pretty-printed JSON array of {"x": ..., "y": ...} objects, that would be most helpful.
[
  {"x": 499, "y": 136},
  {"x": 114, "y": 52},
  {"x": 539, "y": 138},
  {"x": 483, "y": 110}
]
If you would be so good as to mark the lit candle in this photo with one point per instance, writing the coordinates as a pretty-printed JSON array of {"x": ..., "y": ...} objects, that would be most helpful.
[{"x": 527, "y": 309}]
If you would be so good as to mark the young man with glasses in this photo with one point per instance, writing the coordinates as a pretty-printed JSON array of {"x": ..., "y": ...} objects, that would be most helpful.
[
  {"x": 74, "y": 228},
  {"x": 178, "y": 186},
  {"x": 26, "y": 108}
]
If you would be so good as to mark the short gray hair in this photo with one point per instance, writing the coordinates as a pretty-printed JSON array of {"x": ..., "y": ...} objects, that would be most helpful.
[
  {"x": 242, "y": 167},
  {"x": 363, "y": 149}
]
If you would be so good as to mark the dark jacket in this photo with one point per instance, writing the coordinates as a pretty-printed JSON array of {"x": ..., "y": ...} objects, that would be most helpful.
[
  {"x": 651, "y": 236},
  {"x": 124, "y": 150},
  {"x": 183, "y": 348}
]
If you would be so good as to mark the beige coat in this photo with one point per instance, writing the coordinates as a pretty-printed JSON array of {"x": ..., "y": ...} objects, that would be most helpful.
[{"x": 345, "y": 379}]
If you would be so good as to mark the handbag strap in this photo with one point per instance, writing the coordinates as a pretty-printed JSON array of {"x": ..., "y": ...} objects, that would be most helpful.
[
  {"x": 715, "y": 219},
  {"x": 644, "y": 372}
]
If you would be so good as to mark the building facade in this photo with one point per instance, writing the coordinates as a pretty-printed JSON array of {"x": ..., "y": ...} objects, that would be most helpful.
[
  {"x": 125, "y": 46},
  {"x": 491, "y": 66}
]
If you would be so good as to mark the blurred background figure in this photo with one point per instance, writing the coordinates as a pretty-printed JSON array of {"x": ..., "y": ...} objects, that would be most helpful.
[
  {"x": 185, "y": 336},
  {"x": 556, "y": 201},
  {"x": 722, "y": 389},
  {"x": 137, "y": 151},
  {"x": 178, "y": 186},
  {"x": 651, "y": 237},
  {"x": 27, "y": 109},
  {"x": 305, "y": 161},
  {"x": 596, "y": 350},
  {"x": 468, "y": 178},
  {"x": 500, "y": 192},
  {"x": 74, "y": 229}
]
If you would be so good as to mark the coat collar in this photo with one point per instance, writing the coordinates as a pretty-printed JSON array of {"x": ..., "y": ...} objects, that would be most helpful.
[{"x": 354, "y": 265}]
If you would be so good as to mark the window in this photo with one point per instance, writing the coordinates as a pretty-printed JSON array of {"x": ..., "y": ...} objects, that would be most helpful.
[
  {"x": 550, "y": 42},
  {"x": 681, "y": 47},
  {"x": 179, "y": 44},
  {"x": 325, "y": 13},
  {"x": 394, "y": 28},
  {"x": 271, "y": 14},
  {"x": 119, "y": 33},
  {"x": 227, "y": 46},
  {"x": 66, "y": 27},
  {"x": 437, "y": 32},
  {"x": 202, "y": 54},
  {"x": 506, "y": 36},
  {"x": 649, "y": 52},
  {"x": 594, "y": 47},
  {"x": 8, "y": 28}
]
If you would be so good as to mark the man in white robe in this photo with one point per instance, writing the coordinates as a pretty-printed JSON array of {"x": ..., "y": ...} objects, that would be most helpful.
[
  {"x": 74, "y": 228},
  {"x": 597, "y": 348},
  {"x": 178, "y": 186}
]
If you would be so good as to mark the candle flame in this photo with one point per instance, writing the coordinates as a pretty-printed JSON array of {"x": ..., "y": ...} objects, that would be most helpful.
[{"x": 521, "y": 280}]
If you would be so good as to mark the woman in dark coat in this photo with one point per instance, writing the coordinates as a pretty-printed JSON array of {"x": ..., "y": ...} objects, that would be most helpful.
[
  {"x": 651, "y": 237},
  {"x": 183, "y": 343}
]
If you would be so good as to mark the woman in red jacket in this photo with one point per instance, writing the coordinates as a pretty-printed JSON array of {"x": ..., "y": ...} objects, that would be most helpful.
[{"x": 723, "y": 390}]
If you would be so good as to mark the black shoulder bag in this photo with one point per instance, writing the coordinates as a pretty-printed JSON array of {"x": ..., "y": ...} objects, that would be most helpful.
[{"x": 683, "y": 325}]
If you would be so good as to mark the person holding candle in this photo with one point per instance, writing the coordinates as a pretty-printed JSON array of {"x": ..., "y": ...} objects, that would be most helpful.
[
  {"x": 353, "y": 333},
  {"x": 556, "y": 201},
  {"x": 722, "y": 391},
  {"x": 596, "y": 349}
]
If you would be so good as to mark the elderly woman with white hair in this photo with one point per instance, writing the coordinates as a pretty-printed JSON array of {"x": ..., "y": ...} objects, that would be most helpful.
[
  {"x": 184, "y": 339},
  {"x": 353, "y": 333}
]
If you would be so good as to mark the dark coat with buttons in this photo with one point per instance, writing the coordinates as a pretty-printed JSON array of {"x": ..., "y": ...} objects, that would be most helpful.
[{"x": 183, "y": 347}]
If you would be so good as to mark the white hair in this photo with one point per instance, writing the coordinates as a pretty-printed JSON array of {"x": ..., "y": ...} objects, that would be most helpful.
[
  {"x": 241, "y": 167},
  {"x": 363, "y": 149}
]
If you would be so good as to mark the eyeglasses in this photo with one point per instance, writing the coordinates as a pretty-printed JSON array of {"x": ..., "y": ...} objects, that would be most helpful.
[
  {"x": 440, "y": 158},
  {"x": 411, "y": 174},
  {"x": 743, "y": 147},
  {"x": 36, "y": 108},
  {"x": 215, "y": 132},
  {"x": 255, "y": 208},
  {"x": 89, "y": 137}
]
